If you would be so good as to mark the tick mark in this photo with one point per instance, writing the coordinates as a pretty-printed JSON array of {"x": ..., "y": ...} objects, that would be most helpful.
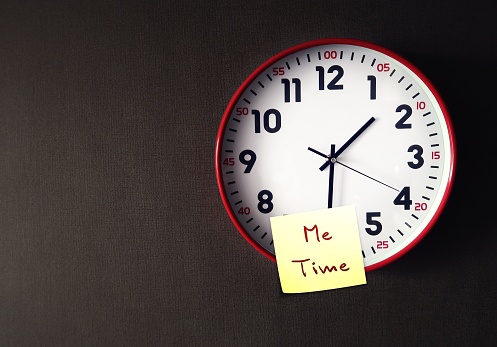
[
  {"x": 252, "y": 91},
  {"x": 426, "y": 198},
  {"x": 401, "y": 79},
  {"x": 238, "y": 202},
  {"x": 414, "y": 216},
  {"x": 408, "y": 225},
  {"x": 250, "y": 220},
  {"x": 263, "y": 235},
  {"x": 400, "y": 232},
  {"x": 257, "y": 227},
  {"x": 352, "y": 58},
  {"x": 269, "y": 77},
  {"x": 287, "y": 65},
  {"x": 427, "y": 113},
  {"x": 235, "y": 192},
  {"x": 372, "y": 248},
  {"x": 298, "y": 61},
  {"x": 308, "y": 58},
  {"x": 248, "y": 102},
  {"x": 374, "y": 61},
  {"x": 262, "y": 85},
  {"x": 363, "y": 57},
  {"x": 415, "y": 95},
  {"x": 409, "y": 87},
  {"x": 430, "y": 124},
  {"x": 391, "y": 238},
  {"x": 236, "y": 120},
  {"x": 391, "y": 73}
]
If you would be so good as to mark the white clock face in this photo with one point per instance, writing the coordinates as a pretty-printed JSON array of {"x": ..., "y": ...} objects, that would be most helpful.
[{"x": 333, "y": 123}]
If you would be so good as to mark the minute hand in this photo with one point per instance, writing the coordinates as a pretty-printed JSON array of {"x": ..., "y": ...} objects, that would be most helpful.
[{"x": 347, "y": 144}]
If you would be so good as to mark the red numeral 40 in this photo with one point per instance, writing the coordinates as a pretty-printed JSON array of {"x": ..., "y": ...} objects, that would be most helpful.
[{"x": 244, "y": 210}]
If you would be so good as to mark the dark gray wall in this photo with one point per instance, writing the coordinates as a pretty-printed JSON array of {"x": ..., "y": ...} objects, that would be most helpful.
[{"x": 112, "y": 231}]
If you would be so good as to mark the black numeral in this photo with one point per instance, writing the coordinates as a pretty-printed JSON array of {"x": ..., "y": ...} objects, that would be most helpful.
[
  {"x": 298, "y": 89},
  {"x": 271, "y": 120},
  {"x": 372, "y": 87},
  {"x": 249, "y": 162},
  {"x": 371, "y": 221},
  {"x": 265, "y": 204},
  {"x": 418, "y": 151},
  {"x": 401, "y": 124},
  {"x": 404, "y": 198},
  {"x": 333, "y": 85}
]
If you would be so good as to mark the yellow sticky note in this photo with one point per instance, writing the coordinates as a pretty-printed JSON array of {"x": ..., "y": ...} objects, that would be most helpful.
[{"x": 318, "y": 250}]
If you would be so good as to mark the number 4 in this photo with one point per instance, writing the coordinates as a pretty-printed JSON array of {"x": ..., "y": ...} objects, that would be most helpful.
[{"x": 404, "y": 198}]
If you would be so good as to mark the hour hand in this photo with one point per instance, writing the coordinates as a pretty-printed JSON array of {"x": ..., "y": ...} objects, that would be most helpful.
[{"x": 318, "y": 153}]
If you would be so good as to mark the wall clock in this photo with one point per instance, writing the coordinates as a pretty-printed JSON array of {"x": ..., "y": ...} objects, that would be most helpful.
[{"x": 337, "y": 122}]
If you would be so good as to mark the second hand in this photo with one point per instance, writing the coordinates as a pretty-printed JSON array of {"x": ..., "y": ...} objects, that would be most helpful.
[{"x": 374, "y": 179}]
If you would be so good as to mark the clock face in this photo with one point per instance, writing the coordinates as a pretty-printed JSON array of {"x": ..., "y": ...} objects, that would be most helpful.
[{"x": 331, "y": 123}]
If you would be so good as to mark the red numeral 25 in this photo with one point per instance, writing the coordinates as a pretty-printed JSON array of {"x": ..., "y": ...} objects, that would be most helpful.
[{"x": 382, "y": 244}]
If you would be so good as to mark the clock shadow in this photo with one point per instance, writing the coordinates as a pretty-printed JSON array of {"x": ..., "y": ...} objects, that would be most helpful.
[{"x": 465, "y": 231}]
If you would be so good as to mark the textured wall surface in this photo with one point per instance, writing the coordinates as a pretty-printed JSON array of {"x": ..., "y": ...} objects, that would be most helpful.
[{"x": 112, "y": 230}]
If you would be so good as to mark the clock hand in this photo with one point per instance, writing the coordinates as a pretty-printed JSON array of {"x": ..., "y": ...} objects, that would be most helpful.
[
  {"x": 330, "y": 158},
  {"x": 374, "y": 179},
  {"x": 347, "y": 144},
  {"x": 318, "y": 153},
  {"x": 332, "y": 174}
]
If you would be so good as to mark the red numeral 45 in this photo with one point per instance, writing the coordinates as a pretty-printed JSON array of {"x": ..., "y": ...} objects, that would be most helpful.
[{"x": 229, "y": 161}]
